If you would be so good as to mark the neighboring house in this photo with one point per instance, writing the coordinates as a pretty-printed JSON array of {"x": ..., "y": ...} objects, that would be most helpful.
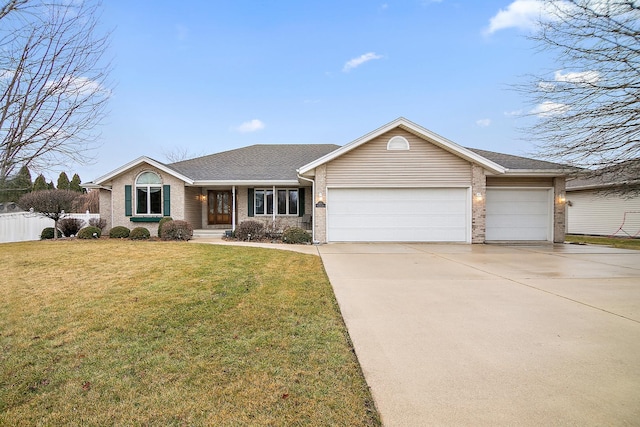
[
  {"x": 400, "y": 182},
  {"x": 595, "y": 205}
]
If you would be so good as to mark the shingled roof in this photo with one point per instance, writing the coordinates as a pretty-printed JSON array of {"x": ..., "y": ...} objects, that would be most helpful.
[
  {"x": 510, "y": 161},
  {"x": 254, "y": 163}
]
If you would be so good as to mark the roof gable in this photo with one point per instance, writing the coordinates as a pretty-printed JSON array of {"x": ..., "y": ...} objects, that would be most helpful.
[
  {"x": 137, "y": 162},
  {"x": 421, "y": 132}
]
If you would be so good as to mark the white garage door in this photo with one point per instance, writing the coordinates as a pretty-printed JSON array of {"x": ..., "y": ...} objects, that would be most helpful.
[
  {"x": 397, "y": 215},
  {"x": 518, "y": 214}
]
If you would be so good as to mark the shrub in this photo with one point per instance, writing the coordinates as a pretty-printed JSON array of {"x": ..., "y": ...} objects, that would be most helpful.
[
  {"x": 47, "y": 233},
  {"x": 70, "y": 226},
  {"x": 101, "y": 223},
  {"x": 273, "y": 228},
  {"x": 139, "y": 233},
  {"x": 89, "y": 232},
  {"x": 250, "y": 230},
  {"x": 177, "y": 230},
  {"x": 161, "y": 223},
  {"x": 119, "y": 232},
  {"x": 296, "y": 235}
]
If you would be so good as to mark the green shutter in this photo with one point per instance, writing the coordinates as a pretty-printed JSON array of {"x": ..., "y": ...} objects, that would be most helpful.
[
  {"x": 128, "y": 211},
  {"x": 250, "y": 201},
  {"x": 300, "y": 201},
  {"x": 166, "y": 195}
]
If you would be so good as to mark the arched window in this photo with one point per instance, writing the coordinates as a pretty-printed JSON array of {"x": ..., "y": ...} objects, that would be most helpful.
[
  {"x": 148, "y": 194},
  {"x": 398, "y": 143}
]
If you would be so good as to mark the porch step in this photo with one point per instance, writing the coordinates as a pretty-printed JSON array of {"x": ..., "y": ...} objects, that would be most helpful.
[{"x": 208, "y": 233}]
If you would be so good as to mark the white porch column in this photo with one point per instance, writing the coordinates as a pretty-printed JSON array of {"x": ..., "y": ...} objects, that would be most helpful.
[
  {"x": 273, "y": 203},
  {"x": 233, "y": 208}
]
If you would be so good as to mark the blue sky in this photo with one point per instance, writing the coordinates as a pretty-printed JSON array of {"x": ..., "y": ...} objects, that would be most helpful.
[{"x": 209, "y": 76}]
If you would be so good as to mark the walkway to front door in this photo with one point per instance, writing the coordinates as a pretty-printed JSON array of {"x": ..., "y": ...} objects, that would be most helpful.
[{"x": 219, "y": 207}]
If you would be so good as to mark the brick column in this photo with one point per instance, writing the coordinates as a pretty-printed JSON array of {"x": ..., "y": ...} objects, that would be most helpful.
[
  {"x": 559, "y": 210},
  {"x": 478, "y": 204},
  {"x": 321, "y": 213}
]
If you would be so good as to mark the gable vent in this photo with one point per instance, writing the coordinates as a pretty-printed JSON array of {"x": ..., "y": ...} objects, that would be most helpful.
[{"x": 398, "y": 143}]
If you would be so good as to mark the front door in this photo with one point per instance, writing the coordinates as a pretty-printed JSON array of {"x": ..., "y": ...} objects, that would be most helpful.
[{"x": 219, "y": 207}]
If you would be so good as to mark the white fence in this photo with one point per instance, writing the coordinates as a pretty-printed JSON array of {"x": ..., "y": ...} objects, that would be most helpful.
[{"x": 23, "y": 226}]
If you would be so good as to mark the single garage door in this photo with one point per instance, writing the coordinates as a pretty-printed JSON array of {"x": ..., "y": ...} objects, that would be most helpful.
[
  {"x": 518, "y": 214},
  {"x": 397, "y": 215}
]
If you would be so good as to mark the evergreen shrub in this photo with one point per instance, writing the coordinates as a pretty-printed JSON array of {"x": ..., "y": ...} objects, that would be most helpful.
[
  {"x": 161, "y": 223},
  {"x": 89, "y": 232},
  {"x": 119, "y": 232},
  {"x": 139, "y": 233},
  {"x": 47, "y": 233}
]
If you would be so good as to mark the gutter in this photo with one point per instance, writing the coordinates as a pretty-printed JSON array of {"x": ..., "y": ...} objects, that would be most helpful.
[{"x": 313, "y": 217}]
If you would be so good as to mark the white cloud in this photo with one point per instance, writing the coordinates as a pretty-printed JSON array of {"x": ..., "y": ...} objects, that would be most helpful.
[
  {"x": 250, "y": 126},
  {"x": 584, "y": 77},
  {"x": 548, "y": 109},
  {"x": 72, "y": 86},
  {"x": 546, "y": 86},
  {"x": 514, "y": 113},
  {"x": 356, "y": 62},
  {"x": 522, "y": 14},
  {"x": 483, "y": 123}
]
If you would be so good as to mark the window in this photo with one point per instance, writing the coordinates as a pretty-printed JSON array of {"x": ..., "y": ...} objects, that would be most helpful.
[
  {"x": 148, "y": 194},
  {"x": 286, "y": 202},
  {"x": 398, "y": 143}
]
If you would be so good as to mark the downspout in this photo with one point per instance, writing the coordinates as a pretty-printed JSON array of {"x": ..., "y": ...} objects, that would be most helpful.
[{"x": 313, "y": 216}]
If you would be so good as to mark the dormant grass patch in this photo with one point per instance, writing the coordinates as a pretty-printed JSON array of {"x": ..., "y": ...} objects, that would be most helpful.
[{"x": 159, "y": 333}]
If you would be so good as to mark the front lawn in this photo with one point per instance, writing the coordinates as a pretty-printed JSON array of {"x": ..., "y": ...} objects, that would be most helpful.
[{"x": 114, "y": 332}]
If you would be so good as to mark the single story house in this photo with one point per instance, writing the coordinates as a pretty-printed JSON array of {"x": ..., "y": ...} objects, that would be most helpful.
[
  {"x": 399, "y": 183},
  {"x": 605, "y": 204}
]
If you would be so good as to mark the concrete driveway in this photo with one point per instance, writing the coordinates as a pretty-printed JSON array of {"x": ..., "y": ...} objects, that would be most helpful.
[{"x": 493, "y": 335}]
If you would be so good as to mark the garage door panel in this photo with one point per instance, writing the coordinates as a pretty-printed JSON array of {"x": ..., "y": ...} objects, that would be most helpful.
[
  {"x": 518, "y": 214},
  {"x": 370, "y": 214}
]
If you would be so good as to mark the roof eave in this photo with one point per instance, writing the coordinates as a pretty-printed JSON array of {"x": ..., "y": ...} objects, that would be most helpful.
[
  {"x": 138, "y": 161},
  {"x": 434, "y": 138},
  {"x": 245, "y": 183},
  {"x": 94, "y": 186},
  {"x": 537, "y": 172}
]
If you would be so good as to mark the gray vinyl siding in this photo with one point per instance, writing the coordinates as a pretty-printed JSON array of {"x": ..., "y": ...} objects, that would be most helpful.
[
  {"x": 506, "y": 181},
  {"x": 424, "y": 165},
  {"x": 591, "y": 213},
  {"x": 193, "y": 207}
]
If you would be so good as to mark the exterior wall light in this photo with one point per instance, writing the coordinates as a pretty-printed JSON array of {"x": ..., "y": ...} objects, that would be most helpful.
[
  {"x": 562, "y": 198},
  {"x": 319, "y": 199},
  {"x": 479, "y": 197}
]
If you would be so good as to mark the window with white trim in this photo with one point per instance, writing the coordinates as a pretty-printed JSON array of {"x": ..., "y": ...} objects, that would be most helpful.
[
  {"x": 148, "y": 194},
  {"x": 285, "y": 201},
  {"x": 398, "y": 143}
]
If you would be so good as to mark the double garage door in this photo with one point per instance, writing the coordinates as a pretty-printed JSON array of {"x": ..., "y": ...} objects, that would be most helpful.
[
  {"x": 398, "y": 215},
  {"x": 435, "y": 215}
]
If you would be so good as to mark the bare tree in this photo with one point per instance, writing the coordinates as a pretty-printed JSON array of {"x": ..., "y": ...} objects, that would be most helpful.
[
  {"x": 54, "y": 204},
  {"x": 588, "y": 108},
  {"x": 9, "y": 6},
  {"x": 53, "y": 83},
  {"x": 179, "y": 154}
]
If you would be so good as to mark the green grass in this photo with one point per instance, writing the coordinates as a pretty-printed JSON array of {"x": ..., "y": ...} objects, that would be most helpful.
[
  {"x": 616, "y": 242},
  {"x": 158, "y": 333}
]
